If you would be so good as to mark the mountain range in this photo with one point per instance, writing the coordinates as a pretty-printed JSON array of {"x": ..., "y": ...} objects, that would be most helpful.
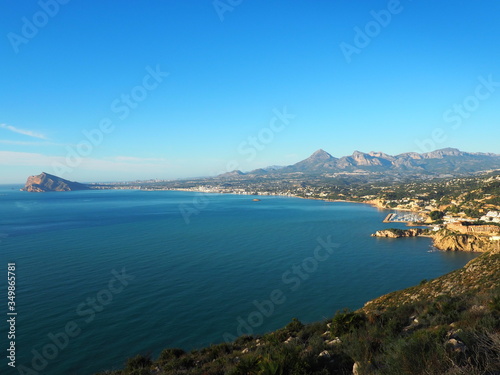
[
  {"x": 443, "y": 162},
  {"x": 360, "y": 166}
]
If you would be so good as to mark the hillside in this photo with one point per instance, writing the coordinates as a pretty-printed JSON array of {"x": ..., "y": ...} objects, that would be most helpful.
[{"x": 479, "y": 276}]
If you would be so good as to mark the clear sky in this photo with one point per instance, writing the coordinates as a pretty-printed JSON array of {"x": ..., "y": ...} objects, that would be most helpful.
[{"x": 176, "y": 88}]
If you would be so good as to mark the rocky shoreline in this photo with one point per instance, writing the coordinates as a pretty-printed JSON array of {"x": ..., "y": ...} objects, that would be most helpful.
[
  {"x": 398, "y": 233},
  {"x": 444, "y": 239}
]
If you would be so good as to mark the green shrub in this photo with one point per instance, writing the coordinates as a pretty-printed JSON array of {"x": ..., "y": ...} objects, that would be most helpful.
[
  {"x": 436, "y": 215},
  {"x": 170, "y": 354},
  {"x": 346, "y": 321},
  {"x": 269, "y": 367},
  {"x": 215, "y": 351},
  {"x": 494, "y": 305},
  {"x": 246, "y": 365},
  {"x": 445, "y": 310},
  {"x": 243, "y": 340},
  {"x": 142, "y": 371},
  {"x": 138, "y": 362},
  {"x": 294, "y": 326},
  {"x": 311, "y": 330},
  {"x": 421, "y": 353}
]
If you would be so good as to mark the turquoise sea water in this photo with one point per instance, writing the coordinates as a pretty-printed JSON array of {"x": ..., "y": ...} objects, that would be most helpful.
[{"x": 191, "y": 283}]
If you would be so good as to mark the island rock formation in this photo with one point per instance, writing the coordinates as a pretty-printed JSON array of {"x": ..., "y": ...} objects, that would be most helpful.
[{"x": 45, "y": 182}]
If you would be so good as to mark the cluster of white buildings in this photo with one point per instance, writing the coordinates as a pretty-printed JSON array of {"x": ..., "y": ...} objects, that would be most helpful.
[
  {"x": 452, "y": 219},
  {"x": 491, "y": 217}
]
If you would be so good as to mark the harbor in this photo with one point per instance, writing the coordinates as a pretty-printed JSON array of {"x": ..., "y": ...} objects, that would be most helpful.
[{"x": 404, "y": 217}]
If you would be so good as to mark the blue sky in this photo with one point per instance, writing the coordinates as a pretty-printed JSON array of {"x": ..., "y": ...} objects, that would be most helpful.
[{"x": 172, "y": 89}]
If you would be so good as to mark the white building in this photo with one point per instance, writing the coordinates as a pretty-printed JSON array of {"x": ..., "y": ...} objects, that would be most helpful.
[{"x": 491, "y": 217}]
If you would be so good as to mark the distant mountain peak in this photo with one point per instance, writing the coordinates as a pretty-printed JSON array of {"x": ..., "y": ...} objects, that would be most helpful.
[
  {"x": 321, "y": 154},
  {"x": 356, "y": 152},
  {"x": 366, "y": 160},
  {"x": 380, "y": 154},
  {"x": 235, "y": 173},
  {"x": 439, "y": 154}
]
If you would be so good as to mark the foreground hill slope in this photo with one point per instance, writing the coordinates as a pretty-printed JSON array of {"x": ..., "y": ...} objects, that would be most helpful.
[{"x": 479, "y": 276}]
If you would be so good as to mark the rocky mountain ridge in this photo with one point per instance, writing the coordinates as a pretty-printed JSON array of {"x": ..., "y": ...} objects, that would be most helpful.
[{"x": 446, "y": 161}]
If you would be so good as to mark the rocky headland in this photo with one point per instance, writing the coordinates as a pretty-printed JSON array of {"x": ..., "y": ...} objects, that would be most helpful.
[
  {"x": 397, "y": 233},
  {"x": 45, "y": 182},
  {"x": 445, "y": 239},
  {"x": 448, "y": 240}
]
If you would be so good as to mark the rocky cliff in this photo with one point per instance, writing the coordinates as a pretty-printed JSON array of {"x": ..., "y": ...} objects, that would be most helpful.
[
  {"x": 397, "y": 233},
  {"x": 444, "y": 239},
  {"x": 448, "y": 240},
  {"x": 45, "y": 182}
]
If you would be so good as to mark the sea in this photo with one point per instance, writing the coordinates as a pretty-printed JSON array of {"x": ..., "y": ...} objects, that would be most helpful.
[{"x": 104, "y": 275}]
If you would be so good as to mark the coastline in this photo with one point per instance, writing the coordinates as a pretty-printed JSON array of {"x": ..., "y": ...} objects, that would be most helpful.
[
  {"x": 373, "y": 203},
  {"x": 444, "y": 239},
  {"x": 375, "y": 304}
]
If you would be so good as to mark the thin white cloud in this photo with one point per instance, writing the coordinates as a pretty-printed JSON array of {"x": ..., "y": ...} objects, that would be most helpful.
[
  {"x": 12, "y": 158},
  {"x": 29, "y": 133},
  {"x": 24, "y": 143}
]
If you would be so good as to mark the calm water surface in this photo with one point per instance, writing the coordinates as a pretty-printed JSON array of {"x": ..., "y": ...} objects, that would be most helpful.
[{"x": 187, "y": 283}]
